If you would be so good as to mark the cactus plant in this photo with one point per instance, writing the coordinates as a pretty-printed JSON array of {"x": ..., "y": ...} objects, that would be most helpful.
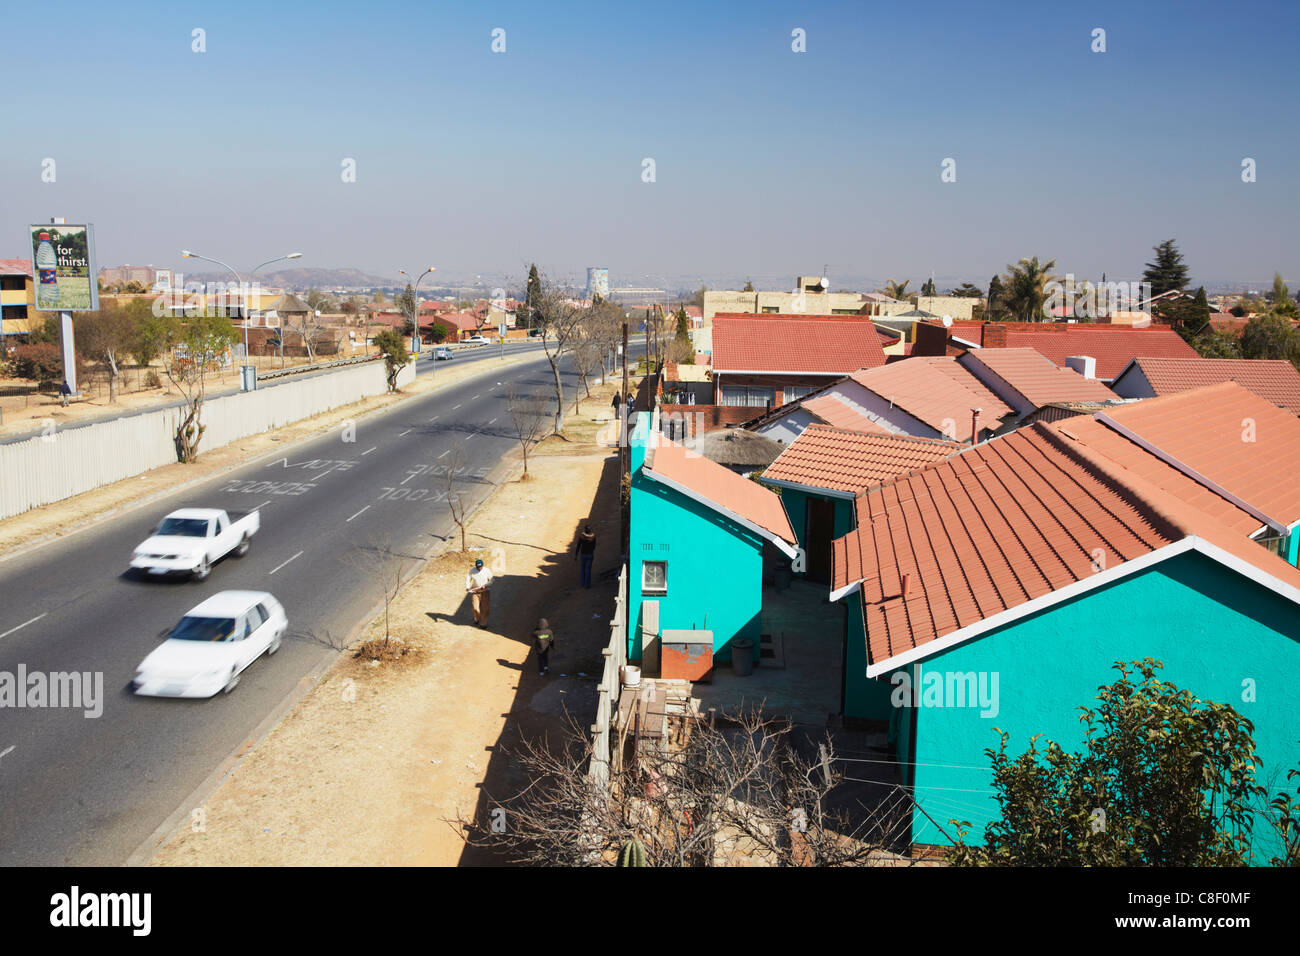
[{"x": 632, "y": 853}]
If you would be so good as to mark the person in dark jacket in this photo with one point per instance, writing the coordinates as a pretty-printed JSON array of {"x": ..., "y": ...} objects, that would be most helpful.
[
  {"x": 543, "y": 641},
  {"x": 585, "y": 554},
  {"x": 65, "y": 392}
]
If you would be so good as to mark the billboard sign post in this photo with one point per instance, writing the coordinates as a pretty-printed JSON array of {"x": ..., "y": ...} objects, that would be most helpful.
[{"x": 63, "y": 267}]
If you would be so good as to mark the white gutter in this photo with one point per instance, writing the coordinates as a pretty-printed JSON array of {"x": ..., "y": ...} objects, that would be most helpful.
[
  {"x": 788, "y": 549},
  {"x": 846, "y": 590},
  {"x": 1190, "y": 472}
]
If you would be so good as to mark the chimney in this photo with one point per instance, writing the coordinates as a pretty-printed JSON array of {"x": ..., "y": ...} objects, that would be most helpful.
[
  {"x": 995, "y": 335},
  {"x": 1085, "y": 365},
  {"x": 907, "y": 584},
  {"x": 975, "y": 425}
]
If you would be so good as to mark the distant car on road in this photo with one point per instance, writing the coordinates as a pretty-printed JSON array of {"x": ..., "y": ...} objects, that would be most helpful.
[
  {"x": 442, "y": 354},
  {"x": 191, "y": 540},
  {"x": 212, "y": 645},
  {"x": 534, "y": 333},
  {"x": 477, "y": 340}
]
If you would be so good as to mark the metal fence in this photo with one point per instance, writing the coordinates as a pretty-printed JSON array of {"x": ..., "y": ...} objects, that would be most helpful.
[
  {"x": 615, "y": 657},
  {"x": 54, "y": 464}
]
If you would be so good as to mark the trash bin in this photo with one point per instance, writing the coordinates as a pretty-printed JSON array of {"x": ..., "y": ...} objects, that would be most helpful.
[{"x": 742, "y": 657}]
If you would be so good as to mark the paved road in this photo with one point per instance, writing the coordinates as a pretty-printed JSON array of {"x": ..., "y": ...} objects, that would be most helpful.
[{"x": 86, "y": 791}]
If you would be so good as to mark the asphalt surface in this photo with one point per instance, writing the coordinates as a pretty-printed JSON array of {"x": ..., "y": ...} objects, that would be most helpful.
[{"x": 90, "y": 790}]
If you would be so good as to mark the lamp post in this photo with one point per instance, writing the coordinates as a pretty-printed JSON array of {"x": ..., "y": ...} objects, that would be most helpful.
[
  {"x": 247, "y": 378},
  {"x": 415, "y": 308}
]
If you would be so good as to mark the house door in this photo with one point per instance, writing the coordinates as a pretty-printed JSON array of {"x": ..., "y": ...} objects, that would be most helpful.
[{"x": 819, "y": 529}]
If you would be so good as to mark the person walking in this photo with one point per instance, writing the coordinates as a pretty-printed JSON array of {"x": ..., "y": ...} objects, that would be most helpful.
[
  {"x": 543, "y": 642},
  {"x": 631, "y": 405},
  {"x": 65, "y": 392},
  {"x": 477, "y": 583},
  {"x": 585, "y": 554}
]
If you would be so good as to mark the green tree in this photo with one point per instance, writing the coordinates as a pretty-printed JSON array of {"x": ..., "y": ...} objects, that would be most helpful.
[
  {"x": 106, "y": 337},
  {"x": 995, "y": 297},
  {"x": 683, "y": 327},
  {"x": 1189, "y": 316},
  {"x": 406, "y": 302},
  {"x": 967, "y": 291},
  {"x": 202, "y": 340},
  {"x": 1281, "y": 297},
  {"x": 1024, "y": 289},
  {"x": 1217, "y": 343},
  {"x": 749, "y": 286},
  {"x": 378, "y": 296},
  {"x": 439, "y": 332},
  {"x": 698, "y": 298},
  {"x": 928, "y": 288},
  {"x": 393, "y": 348},
  {"x": 154, "y": 336},
  {"x": 532, "y": 298},
  {"x": 897, "y": 290},
  {"x": 1168, "y": 272},
  {"x": 1270, "y": 336},
  {"x": 1164, "y": 779}
]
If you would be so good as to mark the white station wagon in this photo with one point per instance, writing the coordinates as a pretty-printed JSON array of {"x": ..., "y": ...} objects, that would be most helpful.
[{"x": 210, "y": 647}]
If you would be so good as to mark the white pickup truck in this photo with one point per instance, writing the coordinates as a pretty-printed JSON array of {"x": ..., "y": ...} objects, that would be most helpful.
[{"x": 191, "y": 540}]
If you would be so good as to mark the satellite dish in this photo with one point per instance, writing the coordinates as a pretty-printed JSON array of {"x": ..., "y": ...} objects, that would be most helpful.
[
  {"x": 947, "y": 321},
  {"x": 826, "y": 283}
]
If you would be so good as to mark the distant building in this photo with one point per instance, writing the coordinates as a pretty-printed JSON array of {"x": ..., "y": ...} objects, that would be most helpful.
[
  {"x": 812, "y": 296},
  {"x": 597, "y": 283},
  {"x": 17, "y": 297}
]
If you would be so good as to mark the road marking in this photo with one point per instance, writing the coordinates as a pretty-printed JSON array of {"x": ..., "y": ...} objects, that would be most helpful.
[
  {"x": 7, "y": 751},
  {"x": 434, "y": 418},
  {"x": 474, "y": 399},
  {"x": 470, "y": 435},
  {"x": 294, "y": 558},
  {"x": 493, "y": 422},
  {"x": 23, "y": 625},
  {"x": 409, "y": 477},
  {"x": 366, "y": 508},
  {"x": 263, "y": 504},
  {"x": 368, "y": 451},
  {"x": 454, "y": 407},
  {"x": 445, "y": 453},
  {"x": 405, "y": 433}
]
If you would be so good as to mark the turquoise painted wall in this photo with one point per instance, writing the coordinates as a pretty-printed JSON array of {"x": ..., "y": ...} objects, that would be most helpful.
[
  {"x": 1183, "y": 612},
  {"x": 864, "y": 698},
  {"x": 715, "y": 566}
]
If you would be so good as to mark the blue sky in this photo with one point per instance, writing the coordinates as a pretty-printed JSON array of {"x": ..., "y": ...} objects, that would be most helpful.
[{"x": 769, "y": 163}]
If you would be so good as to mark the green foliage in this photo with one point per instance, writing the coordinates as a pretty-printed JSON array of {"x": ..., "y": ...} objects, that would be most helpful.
[
  {"x": 1270, "y": 336},
  {"x": 37, "y": 361},
  {"x": 1188, "y": 315},
  {"x": 995, "y": 297},
  {"x": 1168, "y": 272},
  {"x": 928, "y": 288},
  {"x": 1024, "y": 289},
  {"x": 632, "y": 853},
  {"x": 1164, "y": 779},
  {"x": 393, "y": 348},
  {"x": 439, "y": 332},
  {"x": 683, "y": 327},
  {"x": 46, "y": 330},
  {"x": 698, "y": 298},
  {"x": 406, "y": 302},
  {"x": 749, "y": 287},
  {"x": 967, "y": 291},
  {"x": 1280, "y": 298},
  {"x": 897, "y": 290},
  {"x": 1217, "y": 343}
]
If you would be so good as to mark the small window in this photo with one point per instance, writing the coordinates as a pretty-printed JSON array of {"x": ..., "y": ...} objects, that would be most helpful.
[
  {"x": 256, "y": 617},
  {"x": 654, "y": 577}
]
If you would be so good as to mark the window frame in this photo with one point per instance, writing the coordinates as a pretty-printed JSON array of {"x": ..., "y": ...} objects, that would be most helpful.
[{"x": 654, "y": 590}]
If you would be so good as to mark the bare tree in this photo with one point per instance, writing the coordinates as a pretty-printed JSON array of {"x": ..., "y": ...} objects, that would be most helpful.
[
  {"x": 586, "y": 359},
  {"x": 740, "y": 793},
  {"x": 201, "y": 344},
  {"x": 561, "y": 322},
  {"x": 385, "y": 566},
  {"x": 455, "y": 500},
  {"x": 529, "y": 414},
  {"x": 108, "y": 336}
]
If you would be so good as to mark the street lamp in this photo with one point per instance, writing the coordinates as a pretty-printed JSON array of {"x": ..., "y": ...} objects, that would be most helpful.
[
  {"x": 415, "y": 308},
  {"x": 247, "y": 379}
]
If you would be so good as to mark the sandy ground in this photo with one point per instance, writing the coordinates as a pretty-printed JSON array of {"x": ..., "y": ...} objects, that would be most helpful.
[
  {"x": 50, "y": 520},
  {"x": 377, "y": 760}
]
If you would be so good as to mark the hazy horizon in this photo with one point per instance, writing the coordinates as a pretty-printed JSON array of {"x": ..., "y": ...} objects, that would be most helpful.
[{"x": 769, "y": 163}]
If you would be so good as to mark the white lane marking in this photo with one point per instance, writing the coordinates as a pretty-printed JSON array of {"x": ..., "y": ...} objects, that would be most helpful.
[
  {"x": 366, "y": 508},
  {"x": 434, "y": 418},
  {"x": 405, "y": 433},
  {"x": 294, "y": 558},
  {"x": 263, "y": 504},
  {"x": 445, "y": 453},
  {"x": 23, "y": 625},
  {"x": 454, "y": 407},
  {"x": 7, "y": 751},
  {"x": 474, "y": 399},
  {"x": 470, "y": 435},
  {"x": 368, "y": 451},
  {"x": 493, "y": 422},
  {"x": 409, "y": 477}
]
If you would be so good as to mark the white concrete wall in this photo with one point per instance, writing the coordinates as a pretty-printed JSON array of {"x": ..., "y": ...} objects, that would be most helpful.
[{"x": 58, "y": 465}]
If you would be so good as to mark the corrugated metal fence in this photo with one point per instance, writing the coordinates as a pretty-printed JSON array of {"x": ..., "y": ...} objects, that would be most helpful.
[
  {"x": 615, "y": 657},
  {"x": 59, "y": 464}
]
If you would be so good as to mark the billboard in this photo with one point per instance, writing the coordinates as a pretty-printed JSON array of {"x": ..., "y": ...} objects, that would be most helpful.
[{"x": 63, "y": 266}]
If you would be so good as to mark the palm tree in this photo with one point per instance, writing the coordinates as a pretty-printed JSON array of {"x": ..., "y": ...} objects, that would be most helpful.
[
  {"x": 897, "y": 290},
  {"x": 1024, "y": 288}
]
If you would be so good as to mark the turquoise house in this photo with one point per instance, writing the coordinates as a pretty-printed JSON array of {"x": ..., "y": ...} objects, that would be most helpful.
[
  {"x": 996, "y": 589},
  {"x": 696, "y": 545}
]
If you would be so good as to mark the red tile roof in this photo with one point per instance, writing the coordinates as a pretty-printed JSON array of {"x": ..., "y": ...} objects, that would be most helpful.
[
  {"x": 1207, "y": 430},
  {"x": 849, "y": 461},
  {"x": 819, "y": 344},
  {"x": 465, "y": 321},
  {"x": 1276, "y": 380},
  {"x": 1050, "y": 506},
  {"x": 937, "y": 390},
  {"x": 1113, "y": 346},
  {"x": 830, "y": 409},
  {"x": 719, "y": 487},
  {"x": 1035, "y": 377}
]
